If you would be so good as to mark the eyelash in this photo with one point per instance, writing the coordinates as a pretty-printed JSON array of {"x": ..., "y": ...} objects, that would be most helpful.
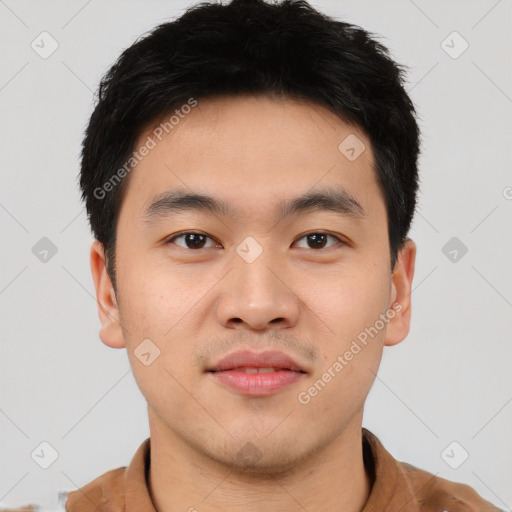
[{"x": 184, "y": 233}]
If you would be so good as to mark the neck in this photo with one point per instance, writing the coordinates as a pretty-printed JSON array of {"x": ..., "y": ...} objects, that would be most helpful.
[{"x": 183, "y": 479}]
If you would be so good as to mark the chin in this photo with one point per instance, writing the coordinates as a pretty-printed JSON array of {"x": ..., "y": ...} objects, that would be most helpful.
[{"x": 260, "y": 457}]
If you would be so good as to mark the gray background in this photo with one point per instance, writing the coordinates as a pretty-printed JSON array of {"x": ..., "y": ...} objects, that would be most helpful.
[{"x": 450, "y": 380}]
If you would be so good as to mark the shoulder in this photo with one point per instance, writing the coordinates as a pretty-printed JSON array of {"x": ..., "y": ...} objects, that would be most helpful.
[
  {"x": 105, "y": 492},
  {"x": 408, "y": 488},
  {"x": 436, "y": 493}
]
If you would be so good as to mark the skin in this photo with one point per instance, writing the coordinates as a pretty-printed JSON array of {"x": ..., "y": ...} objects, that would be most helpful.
[{"x": 196, "y": 305}]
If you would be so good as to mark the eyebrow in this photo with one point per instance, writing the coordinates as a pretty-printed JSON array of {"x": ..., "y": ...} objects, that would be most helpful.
[{"x": 335, "y": 199}]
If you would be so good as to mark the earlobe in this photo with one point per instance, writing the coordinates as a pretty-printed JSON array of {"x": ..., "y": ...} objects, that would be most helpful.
[
  {"x": 111, "y": 332},
  {"x": 400, "y": 297}
]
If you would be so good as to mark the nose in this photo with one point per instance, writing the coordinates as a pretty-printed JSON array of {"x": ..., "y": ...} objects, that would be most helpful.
[{"x": 257, "y": 296}]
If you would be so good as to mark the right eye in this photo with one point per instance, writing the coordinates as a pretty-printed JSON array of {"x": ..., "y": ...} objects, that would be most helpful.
[{"x": 192, "y": 240}]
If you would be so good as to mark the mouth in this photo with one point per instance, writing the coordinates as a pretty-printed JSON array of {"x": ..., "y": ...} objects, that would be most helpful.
[
  {"x": 257, "y": 374},
  {"x": 256, "y": 370},
  {"x": 256, "y": 382},
  {"x": 257, "y": 362}
]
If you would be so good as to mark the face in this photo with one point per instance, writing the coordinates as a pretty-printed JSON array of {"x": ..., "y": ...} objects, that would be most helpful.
[{"x": 310, "y": 279}]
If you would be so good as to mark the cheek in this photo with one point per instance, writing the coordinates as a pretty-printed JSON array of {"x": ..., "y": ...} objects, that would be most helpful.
[
  {"x": 348, "y": 303},
  {"x": 152, "y": 298},
  {"x": 157, "y": 304},
  {"x": 154, "y": 308},
  {"x": 348, "y": 300}
]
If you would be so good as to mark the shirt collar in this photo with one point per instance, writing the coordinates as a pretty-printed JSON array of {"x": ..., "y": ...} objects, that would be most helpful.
[
  {"x": 390, "y": 487},
  {"x": 126, "y": 489}
]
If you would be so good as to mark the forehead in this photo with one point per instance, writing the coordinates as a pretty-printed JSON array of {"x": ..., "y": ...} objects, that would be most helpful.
[{"x": 251, "y": 151}]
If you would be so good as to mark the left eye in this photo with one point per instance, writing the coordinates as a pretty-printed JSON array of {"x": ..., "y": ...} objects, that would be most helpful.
[
  {"x": 319, "y": 240},
  {"x": 197, "y": 240}
]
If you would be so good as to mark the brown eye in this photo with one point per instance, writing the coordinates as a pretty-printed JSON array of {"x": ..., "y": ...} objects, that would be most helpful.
[
  {"x": 319, "y": 240},
  {"x": 191, "y": 240}
]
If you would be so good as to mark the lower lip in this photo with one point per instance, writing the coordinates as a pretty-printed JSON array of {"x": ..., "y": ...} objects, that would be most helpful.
[{"x": 257, "y": 384}]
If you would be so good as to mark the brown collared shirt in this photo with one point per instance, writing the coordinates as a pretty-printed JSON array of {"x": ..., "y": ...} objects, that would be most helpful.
[{"x": 397, "y": 487}]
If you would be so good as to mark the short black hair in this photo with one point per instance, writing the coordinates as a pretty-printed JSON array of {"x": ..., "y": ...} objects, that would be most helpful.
[{"x": 283, "y": 49}]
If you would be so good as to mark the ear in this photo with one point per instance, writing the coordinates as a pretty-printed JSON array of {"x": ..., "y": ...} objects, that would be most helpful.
[
  {"x": 111, "y": 332},
  {"x": 400, "y": 296}
]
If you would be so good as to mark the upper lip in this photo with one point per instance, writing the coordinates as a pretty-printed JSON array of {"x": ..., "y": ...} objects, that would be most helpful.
[{"x": 251, "y": 359}]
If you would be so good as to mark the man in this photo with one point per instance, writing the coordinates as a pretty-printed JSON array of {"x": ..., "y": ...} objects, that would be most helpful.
[{"x": 250, "y": 175}]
